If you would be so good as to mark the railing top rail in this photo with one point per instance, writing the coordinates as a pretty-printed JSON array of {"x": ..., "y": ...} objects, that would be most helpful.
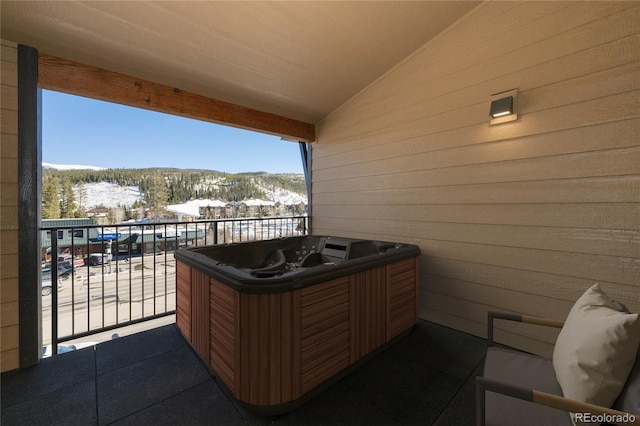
[{"x": 170, "y": 223}]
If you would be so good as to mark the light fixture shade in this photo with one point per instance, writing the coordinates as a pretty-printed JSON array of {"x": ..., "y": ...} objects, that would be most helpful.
[{"x": 504, "y": 107}]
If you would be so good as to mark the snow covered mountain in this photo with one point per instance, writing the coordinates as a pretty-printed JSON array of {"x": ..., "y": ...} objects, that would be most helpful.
[
  {"x": 110, "y": 194},
  {"x": 50, "y": 166}
]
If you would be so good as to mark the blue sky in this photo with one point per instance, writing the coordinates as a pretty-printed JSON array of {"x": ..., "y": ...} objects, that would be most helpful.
[{"x": 83, "y": 131}]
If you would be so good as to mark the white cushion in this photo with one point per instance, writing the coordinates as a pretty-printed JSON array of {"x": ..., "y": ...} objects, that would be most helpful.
[{"x": 596, "y": 349}]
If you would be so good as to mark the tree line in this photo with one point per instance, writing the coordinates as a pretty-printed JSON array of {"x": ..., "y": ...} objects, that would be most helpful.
[{"x": 159, "y": 187}]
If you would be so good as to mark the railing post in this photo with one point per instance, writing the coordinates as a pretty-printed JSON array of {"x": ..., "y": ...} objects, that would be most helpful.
[
  {"x": 102, "y": 266},
  {"x": 85, "y": 234},
  {"x": 215, "y": 232},
  {"x": 54, "y": 292}
]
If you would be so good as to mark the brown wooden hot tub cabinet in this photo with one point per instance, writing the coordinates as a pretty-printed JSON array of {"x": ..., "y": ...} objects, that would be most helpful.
[{"x": 274, "y": 350}]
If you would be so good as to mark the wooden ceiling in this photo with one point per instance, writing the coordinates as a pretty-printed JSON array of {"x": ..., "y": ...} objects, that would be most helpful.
[{"x": 300, "y": 60}]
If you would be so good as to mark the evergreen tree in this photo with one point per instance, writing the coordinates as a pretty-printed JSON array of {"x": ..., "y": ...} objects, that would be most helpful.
[
  {"x": 82, "y": 197},
  {"x": 156, "y": 193},
  {"x": 50, "y": 199},
  {"x": 67, "y": 199}
]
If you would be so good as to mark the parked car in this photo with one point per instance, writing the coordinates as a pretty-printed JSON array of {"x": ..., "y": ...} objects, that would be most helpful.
[
  {"x": 65, "y": 257},
  {"x": 47, "y": 287},
  {"x": 65, "y": 269},
  {"x": 95, "y": 259}
]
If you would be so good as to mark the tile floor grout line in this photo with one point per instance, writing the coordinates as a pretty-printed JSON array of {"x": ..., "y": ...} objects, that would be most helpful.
[
  {"x": 150, "y": 358},
  {"x": 464, "y": 382},
  {"x": 161, "y": 401}
]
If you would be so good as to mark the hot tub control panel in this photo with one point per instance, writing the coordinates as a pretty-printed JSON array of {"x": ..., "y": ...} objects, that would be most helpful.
[{"x": 336, "y": 247}]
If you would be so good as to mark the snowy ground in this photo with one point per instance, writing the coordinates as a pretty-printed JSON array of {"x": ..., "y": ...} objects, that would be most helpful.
[
  {"x": 107, "y": 194},
  {"x": 284, "y": 196}
]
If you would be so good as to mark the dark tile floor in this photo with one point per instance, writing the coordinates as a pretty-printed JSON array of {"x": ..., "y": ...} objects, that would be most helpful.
[{"x": 427, "y": 378}]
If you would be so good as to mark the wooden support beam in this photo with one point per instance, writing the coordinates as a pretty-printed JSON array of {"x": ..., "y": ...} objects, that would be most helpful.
[{"x": 71, "y": 77}]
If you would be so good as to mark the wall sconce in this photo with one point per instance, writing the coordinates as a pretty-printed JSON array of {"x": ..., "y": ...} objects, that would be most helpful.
[{"x": 504, "y": 107}]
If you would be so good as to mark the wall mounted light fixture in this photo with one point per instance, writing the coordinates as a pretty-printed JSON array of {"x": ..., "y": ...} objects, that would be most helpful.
[{"x": 504, "y": 107}]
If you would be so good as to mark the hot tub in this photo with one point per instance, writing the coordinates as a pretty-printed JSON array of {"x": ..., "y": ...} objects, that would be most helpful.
[{"x": 279, "y": 320}]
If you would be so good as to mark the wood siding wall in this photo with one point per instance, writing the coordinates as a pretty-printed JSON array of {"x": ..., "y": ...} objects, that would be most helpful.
[
  {"x": 517, "y": 217},
  {"x": 9, "y": 355}
]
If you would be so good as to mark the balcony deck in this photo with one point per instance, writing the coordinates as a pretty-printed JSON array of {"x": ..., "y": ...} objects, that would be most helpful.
[{"x": 154, "y": 377}]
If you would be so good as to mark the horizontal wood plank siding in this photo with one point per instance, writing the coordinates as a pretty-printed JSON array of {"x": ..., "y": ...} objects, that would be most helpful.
[
  {"x": 518, "y": 217},
  {"x": 9, "y": 323}
]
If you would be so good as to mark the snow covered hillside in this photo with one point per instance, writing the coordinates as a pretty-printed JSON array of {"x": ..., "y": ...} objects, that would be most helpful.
[
  {"x": 109, "y": 194},
  {"x": 284, "y": 196},
  {"x": 106, "y": 194},
  {"x": 112, "y": 195}
]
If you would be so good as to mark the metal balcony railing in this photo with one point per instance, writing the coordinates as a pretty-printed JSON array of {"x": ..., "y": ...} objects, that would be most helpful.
[{"x": 112, "y": 276}]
